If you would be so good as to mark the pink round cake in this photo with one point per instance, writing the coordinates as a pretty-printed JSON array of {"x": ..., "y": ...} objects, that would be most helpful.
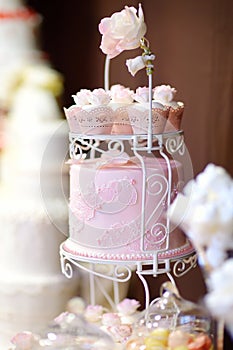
[{"x": 106, "y": 210}]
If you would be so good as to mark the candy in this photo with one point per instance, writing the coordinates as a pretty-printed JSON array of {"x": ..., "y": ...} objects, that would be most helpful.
[
  {"x": 200, "y": 342},
  {"x": 178, "y": 338}
]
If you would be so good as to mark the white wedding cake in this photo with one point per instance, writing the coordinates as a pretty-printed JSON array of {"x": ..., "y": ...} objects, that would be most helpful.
[
  {"x": 19, "y": 44},
  {"x": 33, "y": 187},
  {"x": 33, "y": 213}
]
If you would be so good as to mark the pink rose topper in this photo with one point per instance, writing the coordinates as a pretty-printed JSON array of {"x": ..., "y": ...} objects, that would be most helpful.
[
  {"x": 125, "y": 30},
  {"x": 122, "y": 31}
]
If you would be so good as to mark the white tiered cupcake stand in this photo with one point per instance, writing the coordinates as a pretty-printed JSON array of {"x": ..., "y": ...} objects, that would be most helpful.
[{"x": 175, "y": 262}]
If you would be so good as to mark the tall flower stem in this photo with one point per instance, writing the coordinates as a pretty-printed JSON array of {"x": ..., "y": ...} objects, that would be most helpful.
[
  {"x": 149, "y": 140},
  {"x": 149, "y": 70},
  {"x": 106, "y": 73},
  {"x": 206, "y": 270}
]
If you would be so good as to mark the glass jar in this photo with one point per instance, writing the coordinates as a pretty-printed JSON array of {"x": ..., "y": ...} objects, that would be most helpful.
[
  {"x": 68, "y": 332},
  {"x": 171, "y": 322}
]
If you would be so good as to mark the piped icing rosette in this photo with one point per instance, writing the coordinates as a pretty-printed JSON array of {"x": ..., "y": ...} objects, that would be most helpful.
[{"x": 165, "y": 94}]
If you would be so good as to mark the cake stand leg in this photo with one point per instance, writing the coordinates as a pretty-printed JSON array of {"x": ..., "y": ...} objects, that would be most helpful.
[
  {"x": 116, "y": 292},
  {"x": 92, "y": 286},
  {"x": 146, "y": 289}
]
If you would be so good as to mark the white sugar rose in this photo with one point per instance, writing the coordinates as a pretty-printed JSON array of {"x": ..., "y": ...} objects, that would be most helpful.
[
  {"x": 164, "y": 93},
  {"x": 82, "y": 97},
  {"x": 121, "y": 94},
  {"x": 142, "y": 94},
  {"x": 99, "y": 97},
  {"x": 122, "y": 31}
]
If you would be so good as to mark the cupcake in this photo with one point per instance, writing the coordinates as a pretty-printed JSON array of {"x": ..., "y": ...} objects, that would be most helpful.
[
  {"x": 165, "y": 94},
  {"x": 139, "y": 113},
  {"x": 91, "y": 114},
  {"x": 121, "y": 99}
]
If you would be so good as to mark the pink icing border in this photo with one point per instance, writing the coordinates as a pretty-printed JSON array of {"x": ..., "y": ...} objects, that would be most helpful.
[{"x": 79, "y": 251}]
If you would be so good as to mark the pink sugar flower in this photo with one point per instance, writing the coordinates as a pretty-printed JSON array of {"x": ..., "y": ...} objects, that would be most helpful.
[
  {"x": 82, "y": 97},
  {"x": 128, "y": 306},
  {"x": 121, "y": 94},
  {"x": 99, "y": 97},
  {"x": 122, "y": 31}
]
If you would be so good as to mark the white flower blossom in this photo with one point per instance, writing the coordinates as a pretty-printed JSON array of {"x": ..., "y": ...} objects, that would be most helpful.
[
  {"x": 135, "y": 64},
  {"x": 121, "y": 94},
  {"x": 99, "y": 97},
  {"x": 205, "y": 212},
  {"x": 164, "y": 93},
  {"x": 82, "y": 97},
  {"x": 142, "y": 94}
]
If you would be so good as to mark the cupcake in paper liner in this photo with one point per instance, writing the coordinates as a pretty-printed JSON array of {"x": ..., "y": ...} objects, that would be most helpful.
[
  {"x": 139, "y": 113},
  {"x": 175, "y": 117},
  {"x": 165, "y": 94},
  {"x": 122, "y": 124},
  {"x": 121, "y": 99},
  {"x": 139, "y": 118},
  {"x": 90, "y": 114},
  {"x": 72, "y": 116}
]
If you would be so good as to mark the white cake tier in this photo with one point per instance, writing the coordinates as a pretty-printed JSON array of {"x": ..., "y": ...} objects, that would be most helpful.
[
  {"x": 18, "y": 27},
  {"x": 40, "y": 144},
  {"x": 31, "y": 234},
  {"x": 30, "y": 304},
  {"x": 33, "y": 163}
]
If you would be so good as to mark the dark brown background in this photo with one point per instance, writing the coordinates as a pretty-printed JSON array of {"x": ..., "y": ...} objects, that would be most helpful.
[{"x": 192, "y": 40}]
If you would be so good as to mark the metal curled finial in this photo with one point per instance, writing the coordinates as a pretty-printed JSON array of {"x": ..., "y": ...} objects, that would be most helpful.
[
  {"x": 147, "y": 54},
  {"x": 145, "y": 45}
]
